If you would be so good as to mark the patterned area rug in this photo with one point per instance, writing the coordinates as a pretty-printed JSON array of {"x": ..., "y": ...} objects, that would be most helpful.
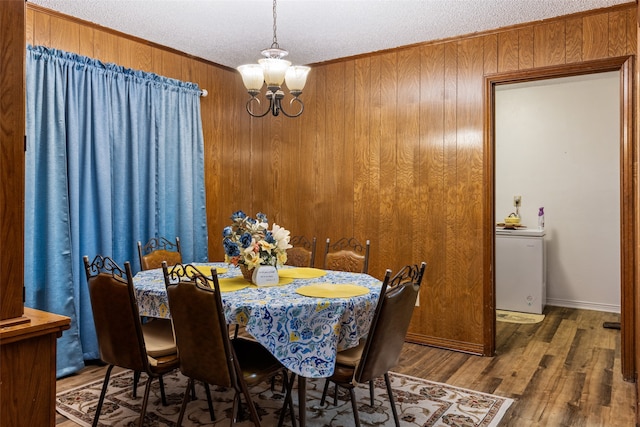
[
  {"x": 419, "y": 402},
  {"x": 517, "y": 317}
]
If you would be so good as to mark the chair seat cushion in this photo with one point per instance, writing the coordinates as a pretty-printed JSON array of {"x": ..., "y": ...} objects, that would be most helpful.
[
  {"x": 256, "y": 363},
  {"x": 158, "y": 337},
  {"x": 351, "y": 356}
]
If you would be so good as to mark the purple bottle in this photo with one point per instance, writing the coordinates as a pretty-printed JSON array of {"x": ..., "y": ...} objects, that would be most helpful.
[{"x": 541, "y": 219}]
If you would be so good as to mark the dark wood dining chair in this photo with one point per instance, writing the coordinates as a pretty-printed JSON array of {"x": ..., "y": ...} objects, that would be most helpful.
[
  {"x": 176, "y": 273},
  {"x": 159, "y": 249},
  {"x": 122, "y": 338},
  {"x": 347, "y": 255},
  {"x": 380, "y": 350},
  {"x": 151, "y": 255},
  {"x": 206, "y": 351},
  {"x": 303, "y": 252}
]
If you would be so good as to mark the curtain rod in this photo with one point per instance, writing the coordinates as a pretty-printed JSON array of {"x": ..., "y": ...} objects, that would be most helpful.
[{"x": 204, "y": 93}]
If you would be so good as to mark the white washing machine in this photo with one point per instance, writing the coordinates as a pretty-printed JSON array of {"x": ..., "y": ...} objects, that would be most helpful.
[{"x": 521, "y": 270}]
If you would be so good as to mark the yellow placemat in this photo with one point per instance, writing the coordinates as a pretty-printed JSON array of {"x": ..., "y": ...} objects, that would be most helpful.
[
  {"x": 301, "y": 272},
  {"x": 233, "y": 284},
  {"x": 206, "y": 270},
  {"x": 240, "y": 279},
  {"x": 282, "y": 281},
  {"x": 331, "y": 290}
]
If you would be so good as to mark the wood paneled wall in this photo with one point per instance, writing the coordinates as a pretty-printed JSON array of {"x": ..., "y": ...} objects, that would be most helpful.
[{"x": 389, "y": 148}]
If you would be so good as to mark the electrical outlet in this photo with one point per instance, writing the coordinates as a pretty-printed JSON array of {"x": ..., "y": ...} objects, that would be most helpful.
[{"x": 516, "y": 201}]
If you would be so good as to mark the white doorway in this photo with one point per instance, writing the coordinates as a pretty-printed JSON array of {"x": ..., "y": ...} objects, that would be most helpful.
[{"x": 557, "y": 145}]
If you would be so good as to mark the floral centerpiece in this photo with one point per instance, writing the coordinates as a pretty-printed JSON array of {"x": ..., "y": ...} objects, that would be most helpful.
[{"x": 249, "y": 243}]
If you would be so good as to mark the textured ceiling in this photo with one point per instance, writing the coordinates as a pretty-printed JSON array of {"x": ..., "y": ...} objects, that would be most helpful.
[{"x": 233, "y": 32}]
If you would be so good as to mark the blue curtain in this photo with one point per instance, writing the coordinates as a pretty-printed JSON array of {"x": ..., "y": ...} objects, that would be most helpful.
[{"x": 113, "y": 156}]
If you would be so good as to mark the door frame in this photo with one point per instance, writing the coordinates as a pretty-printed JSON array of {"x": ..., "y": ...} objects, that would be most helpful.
[{"x": 628, "y": 186}]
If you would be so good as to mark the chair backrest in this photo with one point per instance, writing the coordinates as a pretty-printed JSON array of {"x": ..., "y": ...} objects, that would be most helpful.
[
  {"x": 347, "y": 255},
  {"x": 390, "y": 322},
  {"x": 202, "y": 335},
  {"x": 303, "y": 252},
  {"x": 115, "y": 314},
  {"x": 159, "y": 249}
]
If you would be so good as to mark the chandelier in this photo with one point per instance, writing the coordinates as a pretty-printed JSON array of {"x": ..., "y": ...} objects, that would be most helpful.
[{"x": 273, "y": 70}]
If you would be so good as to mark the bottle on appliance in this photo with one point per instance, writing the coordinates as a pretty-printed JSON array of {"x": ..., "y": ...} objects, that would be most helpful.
[{"x": 541, "y": 219}]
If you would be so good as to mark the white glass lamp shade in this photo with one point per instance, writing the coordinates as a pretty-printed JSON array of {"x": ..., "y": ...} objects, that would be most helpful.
[
  {"x": 274, "y": 70},
  {"x": 296, "y": 77},
  {"x": 252, "y": 76}
]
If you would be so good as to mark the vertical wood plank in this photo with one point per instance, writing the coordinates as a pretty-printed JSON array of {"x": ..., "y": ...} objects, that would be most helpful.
[
  {"x": 432, "y": 188},
  {"x": 29, "y": 27},
  {"x": 617, "y": 33},
  {"x": 490, "y": 50},
  {"x": 42, "y": 30},
  {"x": 303, "y": 178},
  {"x": 347, "y": 122},
  {"x": 289, "y": 147},
  {"x": 212, "y": 170},
  {"x": 632, "y": 23},
  {"x": 260, "y": 178},
  {"x": 595, "y": 36},
  {"x": 271, "y": 159},
  {"x": 573, "y": 40},
  {"x": 240, "y": 151},
  {"x": 470, "y": 179},
  {"x": 525, "y": 48},
  {"x": 123, "y": 54},
  {"x": 141, "y": 59},
  {"x": 350, "y": 143},
  {"x": 259, "y": 171},
  {"x": 291, "y": 166},
  {"x": 171, "y": 64},
  {"x": 105, "y": 47},
  {"x": 337, "y": 188},
  {"x": 408, "y": 155},
  {"x": 86, "y": 41},
  {"x": 231, "y": 147},
  {"x": 449, "y": 292},
  {"x": 549, "y": 41},
  {"x": 388, "y": 228},
  {"x": 320, "y": 140},
  {"x": 507, "y": 51},
  {"x": 363, "y": 207},
  {"x": 375, "y": 161},
  {"x": 65, "y": 35}
]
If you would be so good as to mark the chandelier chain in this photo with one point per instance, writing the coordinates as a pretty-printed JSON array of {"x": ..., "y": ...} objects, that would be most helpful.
[{"x": 275, "y": 27}]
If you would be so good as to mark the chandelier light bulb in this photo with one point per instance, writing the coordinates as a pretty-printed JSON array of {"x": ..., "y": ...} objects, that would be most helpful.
[
  {"x": 252, "y": 76},
  {"x": 296, "y": 77},
  {"x": 274, "y": 70}
]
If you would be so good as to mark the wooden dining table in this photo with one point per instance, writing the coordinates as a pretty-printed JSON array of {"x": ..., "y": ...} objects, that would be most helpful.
[{"x": 303, "y": 321}]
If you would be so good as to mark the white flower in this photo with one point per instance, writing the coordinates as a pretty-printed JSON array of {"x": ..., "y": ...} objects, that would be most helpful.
[{"x": 281, "y": 237}]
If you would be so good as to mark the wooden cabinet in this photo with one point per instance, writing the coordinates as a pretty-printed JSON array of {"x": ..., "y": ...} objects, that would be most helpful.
[{"x": 28, "y": 374}]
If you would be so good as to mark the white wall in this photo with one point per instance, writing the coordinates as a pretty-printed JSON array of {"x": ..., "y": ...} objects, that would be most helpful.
[{"x": 558, "y": 146}]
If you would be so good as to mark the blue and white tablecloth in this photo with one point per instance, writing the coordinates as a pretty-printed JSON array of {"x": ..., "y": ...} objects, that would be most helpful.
[{"x": 304, "y": 333}]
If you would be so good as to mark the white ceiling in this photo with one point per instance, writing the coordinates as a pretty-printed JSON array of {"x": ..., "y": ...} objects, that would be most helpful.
[{"x": 233, "y": 32}]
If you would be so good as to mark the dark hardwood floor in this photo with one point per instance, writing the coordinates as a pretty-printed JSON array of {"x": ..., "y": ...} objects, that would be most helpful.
[{"x": 564, "y": 371}]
